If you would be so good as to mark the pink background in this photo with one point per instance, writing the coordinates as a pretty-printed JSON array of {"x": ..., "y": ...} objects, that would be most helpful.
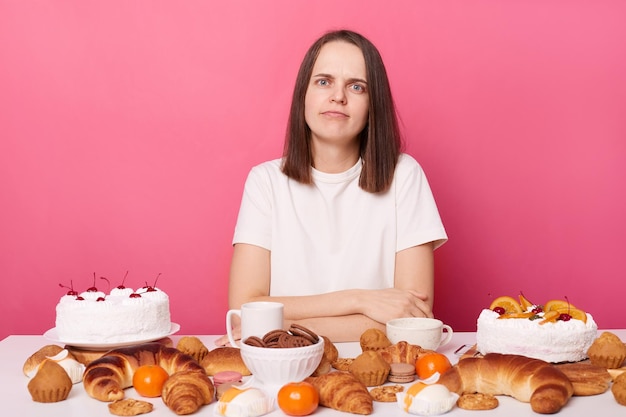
[{"x": 128, "y": 128}]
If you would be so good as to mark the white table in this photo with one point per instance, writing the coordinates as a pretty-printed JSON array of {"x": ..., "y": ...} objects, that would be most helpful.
[{"x": 15, "y": 399}]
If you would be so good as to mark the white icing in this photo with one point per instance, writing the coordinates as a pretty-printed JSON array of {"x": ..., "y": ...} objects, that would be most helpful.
[
  {"x": 92, "y": 295},
  {"x": 561, "y": 341},
  {"x": 117, "y": 319},
  {"x": 121, "y": 292}
]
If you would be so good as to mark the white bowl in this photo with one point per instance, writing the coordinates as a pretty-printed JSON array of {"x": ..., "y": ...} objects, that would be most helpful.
[{"x": 274, "y": 367}]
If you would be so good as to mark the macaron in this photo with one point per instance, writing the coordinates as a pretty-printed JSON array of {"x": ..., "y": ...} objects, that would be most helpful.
[
  {"x": 401, "y": 373},
  {"x": 226, "y": 377}
]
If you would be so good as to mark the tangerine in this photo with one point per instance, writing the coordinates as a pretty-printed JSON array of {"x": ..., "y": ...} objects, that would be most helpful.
[
  {"x": 298, "y": 398},
  {"x": 509, "y": 304},
  {"x": 148, "y": 380},
  {"x": 427, "y": 364}
]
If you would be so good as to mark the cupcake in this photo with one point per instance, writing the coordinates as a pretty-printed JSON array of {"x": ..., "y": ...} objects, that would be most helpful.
[
  {"x": 374, "y": 339},
  {"x": 607, "y": 351},
  {"x": 51, "y": 383},
  {"x": 619, "y": 389},
  {"x": 370, "y": 368}
]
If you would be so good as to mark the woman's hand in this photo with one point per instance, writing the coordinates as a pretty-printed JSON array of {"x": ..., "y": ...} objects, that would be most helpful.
[
  {"x": 391, "y": 303},
  {"x": 224, "y": 341}
]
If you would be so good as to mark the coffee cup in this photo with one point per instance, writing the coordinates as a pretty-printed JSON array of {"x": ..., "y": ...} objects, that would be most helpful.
[
  {"x": 256, "y": 318},
  {"x": 422, "y": 331}
]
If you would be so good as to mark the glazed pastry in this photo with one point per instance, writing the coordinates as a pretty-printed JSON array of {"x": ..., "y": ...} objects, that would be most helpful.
[
  {"x": 342, "y": 391},
  {"x": 51, "y": 383},
  {"x": 370, "y": 368},
  {"x": 67, "y": 361},
  {"x": 192, "y": 346},
  {"x": 33, "y": 362},
  {"x": 607, "y": 351},
  {"x": 185, "y": 392}
]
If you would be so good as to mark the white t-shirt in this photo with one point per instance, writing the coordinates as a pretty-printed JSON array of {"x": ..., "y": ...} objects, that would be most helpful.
[{"x": 333, "y": 235}]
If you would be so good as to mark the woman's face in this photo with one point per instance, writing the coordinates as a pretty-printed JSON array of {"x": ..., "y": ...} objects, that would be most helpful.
[{"x": 336, "y": 104}]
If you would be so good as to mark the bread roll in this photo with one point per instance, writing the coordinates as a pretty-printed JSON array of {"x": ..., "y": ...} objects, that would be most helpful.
[
  {"x": 224, "y": 359},
  {"x": 526, "y": 379}
]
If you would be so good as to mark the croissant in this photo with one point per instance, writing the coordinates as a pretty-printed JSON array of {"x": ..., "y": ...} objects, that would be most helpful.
[
  {"x": 342, "y": 391},
  {"x": 184, "y": 392},
  {"x": 526, "y": 379},
  {"x": 106, "y": 378},
  {"x": 401, "y": 352}
]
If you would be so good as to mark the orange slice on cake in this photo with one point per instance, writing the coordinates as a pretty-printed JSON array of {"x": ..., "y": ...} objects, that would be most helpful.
[
  {"x": 557, "y": 305},
  {"x": 574, "y": 313},
  {"x": 509, "y": 304},
  {"x": 524, "y": 302}
]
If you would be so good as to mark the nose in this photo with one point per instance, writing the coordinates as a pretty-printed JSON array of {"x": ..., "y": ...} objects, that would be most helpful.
[{"x": 338, "y": 96}]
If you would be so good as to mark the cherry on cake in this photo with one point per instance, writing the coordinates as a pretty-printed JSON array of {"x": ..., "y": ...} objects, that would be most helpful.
[
  {"x": 554, "y": 332},
  {"x": 123, "y": 315}
]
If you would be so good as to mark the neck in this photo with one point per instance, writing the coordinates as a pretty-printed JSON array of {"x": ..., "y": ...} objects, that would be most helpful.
[{"x": 335, "y": 159}]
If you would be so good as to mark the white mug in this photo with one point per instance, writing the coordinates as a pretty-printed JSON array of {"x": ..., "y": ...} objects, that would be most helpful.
[
  {"x": 257, "y": 318},
  {"x": 422, "y": 331}
]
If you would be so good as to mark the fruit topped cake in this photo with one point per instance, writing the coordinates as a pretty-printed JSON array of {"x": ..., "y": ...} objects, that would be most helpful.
[
  {"x": 556, "y": 331},
  {"x": 121, "y": 316}
]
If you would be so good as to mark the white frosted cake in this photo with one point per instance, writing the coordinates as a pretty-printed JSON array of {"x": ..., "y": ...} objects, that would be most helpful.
[
  {"x": 555, "y": 341},
  {"x": 121, "y": 316}
]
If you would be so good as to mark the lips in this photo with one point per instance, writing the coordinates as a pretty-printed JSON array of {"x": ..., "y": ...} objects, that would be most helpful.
[{"x": 335, "y": 114}]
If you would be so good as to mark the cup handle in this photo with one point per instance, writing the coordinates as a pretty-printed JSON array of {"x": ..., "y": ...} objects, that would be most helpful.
[
  {"x": 446, "y": 335},
  {"x": 229, "y": 327}
]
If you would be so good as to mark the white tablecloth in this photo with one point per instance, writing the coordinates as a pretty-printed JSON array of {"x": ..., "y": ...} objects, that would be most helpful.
[{"x": 15, "y": 400}]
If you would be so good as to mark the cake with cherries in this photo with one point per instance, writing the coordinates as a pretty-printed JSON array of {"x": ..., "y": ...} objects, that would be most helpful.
[
  {"x": 123, "y": 315},
  {"x": 554, "y": 332}
]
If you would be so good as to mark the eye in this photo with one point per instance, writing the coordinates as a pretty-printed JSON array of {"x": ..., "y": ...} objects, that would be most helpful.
[
  {"x": 322, "y": 82},
  {"x": 357, "y": 88}
]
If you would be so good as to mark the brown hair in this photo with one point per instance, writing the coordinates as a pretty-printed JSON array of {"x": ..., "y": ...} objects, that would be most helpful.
[{"x": 380, "y": 140}]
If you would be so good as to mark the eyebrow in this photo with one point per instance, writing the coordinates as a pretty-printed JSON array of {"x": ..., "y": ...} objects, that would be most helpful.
[{"x": 350, "y": 80}]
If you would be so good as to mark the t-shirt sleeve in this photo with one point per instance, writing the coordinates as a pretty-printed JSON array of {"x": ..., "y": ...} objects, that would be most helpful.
[
  {"x": 255, "y": 213},
  {"x": 418, "y": 219}
]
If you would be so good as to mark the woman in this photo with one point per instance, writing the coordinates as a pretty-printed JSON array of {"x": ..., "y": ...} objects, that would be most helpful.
[{"x": 342, "y": 229}]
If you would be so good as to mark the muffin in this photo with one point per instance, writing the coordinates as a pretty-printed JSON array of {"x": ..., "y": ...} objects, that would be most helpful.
[
  {"x": 370, "y": 368},
  {"x": 619, "y": 389},
  {"x": 374, "y": 339},
  {"x": 51, "y": 383},
  {"x": 193, "y": 347},
  {"x": 607, "y": 351}
]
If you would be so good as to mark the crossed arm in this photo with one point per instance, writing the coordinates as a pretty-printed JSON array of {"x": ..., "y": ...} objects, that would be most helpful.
[{"x": 340, "y": 315}]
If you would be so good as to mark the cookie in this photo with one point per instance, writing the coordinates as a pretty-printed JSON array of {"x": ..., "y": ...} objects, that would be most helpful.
[
  {"x": 386, "y": 393},
  {"x": 254, "y": 341},
  {"x": 477, "y": 401},
  {"x": 342, "y": 364},
  {"x": 297, "y": 330},
  {"x": 273, "y": 336},
  {"x": 129, "y": 407}
]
